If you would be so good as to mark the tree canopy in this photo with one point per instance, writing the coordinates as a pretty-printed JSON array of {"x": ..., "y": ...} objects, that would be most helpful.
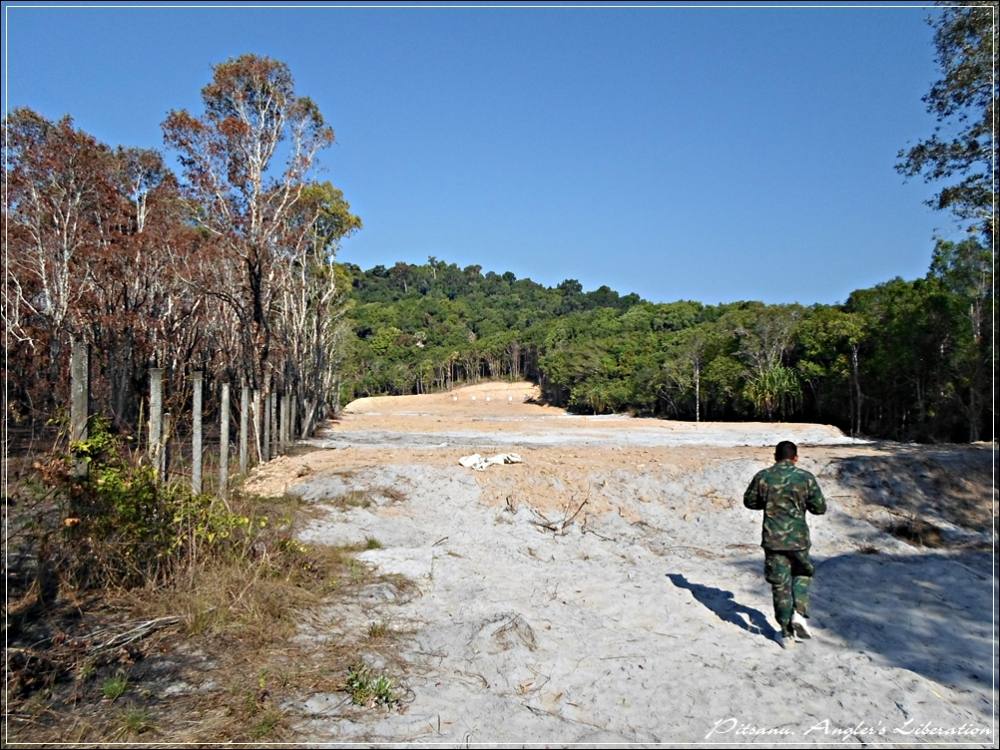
[
  {"x": 891, "y": 361},
  {"x": 961, "y": 149}
]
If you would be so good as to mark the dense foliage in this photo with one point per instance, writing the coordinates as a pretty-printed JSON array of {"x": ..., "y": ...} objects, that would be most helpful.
[{"x": 898, "y": 360}]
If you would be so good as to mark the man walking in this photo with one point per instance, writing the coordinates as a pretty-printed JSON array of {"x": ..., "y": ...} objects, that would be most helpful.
[{"x": 784, "y": 492}]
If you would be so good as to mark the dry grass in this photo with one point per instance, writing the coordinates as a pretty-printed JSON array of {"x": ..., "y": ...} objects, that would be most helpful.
[
  {"x": 366, "y": 498},
  {"x": 917, "y": 531},
  {"x": 226, "y": 671},
  {"x": 352, "y": 499}
]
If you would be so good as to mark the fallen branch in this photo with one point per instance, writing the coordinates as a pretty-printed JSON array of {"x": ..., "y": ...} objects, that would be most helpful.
[
  {"x": 599, "y": 535},
  {"x": 136, "y": 633}
]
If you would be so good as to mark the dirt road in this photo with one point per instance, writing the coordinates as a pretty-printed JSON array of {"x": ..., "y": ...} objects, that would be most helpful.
[{"x": 646, "y": 618}]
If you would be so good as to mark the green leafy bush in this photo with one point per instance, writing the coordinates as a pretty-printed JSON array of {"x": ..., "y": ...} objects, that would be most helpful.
[{"x": 125, "y": 527}]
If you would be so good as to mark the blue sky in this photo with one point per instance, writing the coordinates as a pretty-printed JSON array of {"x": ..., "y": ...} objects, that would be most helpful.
[{"x": 709, "y": 154}]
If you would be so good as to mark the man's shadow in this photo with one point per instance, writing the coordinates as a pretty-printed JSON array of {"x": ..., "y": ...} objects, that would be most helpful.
[{"x": 721, "y": 602}]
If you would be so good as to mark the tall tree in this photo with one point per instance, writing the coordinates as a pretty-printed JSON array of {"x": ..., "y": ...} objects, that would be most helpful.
[
  {"x": 962, "y": 145},
  {"x": 59, "y": 197},
  {"x": 965, "y": 272},
  {"x": 253, "y": 118}
]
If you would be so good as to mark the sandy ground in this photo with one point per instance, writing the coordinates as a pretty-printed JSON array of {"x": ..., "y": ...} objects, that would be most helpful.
[{"x": 646, "y": 620}]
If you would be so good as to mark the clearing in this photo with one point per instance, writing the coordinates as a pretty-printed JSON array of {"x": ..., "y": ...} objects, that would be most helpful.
[{"x": 645, "y": 618}]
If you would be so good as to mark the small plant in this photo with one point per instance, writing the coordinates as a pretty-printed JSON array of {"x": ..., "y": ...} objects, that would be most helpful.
[
  {"x": 266, "y": 725},
  {"x": 357, "y": 571},
  {"x": 372, "y": 543},
  {"x": 114, "y": 687},
  {"x": 85, "y": 670},
  {"x": 368, "y": 689},
  {"x": 378, "y": 630},
  {"x": 124, "y": 527},
  {"x": 354, "y": 499},
  {"x": 136, "y": 721}
]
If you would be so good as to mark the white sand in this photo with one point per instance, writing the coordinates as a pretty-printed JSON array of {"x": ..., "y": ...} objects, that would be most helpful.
[{"x": 649, "y": 620}]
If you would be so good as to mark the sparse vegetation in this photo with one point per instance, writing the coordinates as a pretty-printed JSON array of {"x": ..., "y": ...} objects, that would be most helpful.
[
  {"x": 220, "y": 573},
  {"x": 266, "y": 725},
  {"x": 135, "y": 721},
  {"x": 369, "y": 689},
  {"x": 367, "y": 498},
  {"x": 917, "y": 531},
  {"x": 353, "y": 499},
  {"x": 114, "y": 687}
]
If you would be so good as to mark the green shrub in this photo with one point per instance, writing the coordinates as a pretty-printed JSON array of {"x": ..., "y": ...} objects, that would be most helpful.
[{"x": 125, "y": 527}]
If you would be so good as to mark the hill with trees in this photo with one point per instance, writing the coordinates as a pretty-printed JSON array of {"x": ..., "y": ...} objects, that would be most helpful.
[{"x": 897, "y": 360}]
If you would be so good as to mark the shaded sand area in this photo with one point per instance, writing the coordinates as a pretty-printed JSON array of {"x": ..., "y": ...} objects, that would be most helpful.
[{"x": 609, "y": 588}]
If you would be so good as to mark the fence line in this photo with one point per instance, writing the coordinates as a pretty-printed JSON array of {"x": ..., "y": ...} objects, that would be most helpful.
[
  {"x": 196, "y": 384},
  {"x": 272, "y": 415}
]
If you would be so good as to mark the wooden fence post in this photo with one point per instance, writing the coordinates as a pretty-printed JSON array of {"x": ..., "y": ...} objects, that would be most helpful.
[
  {"x": 266, "y": 441},
  {"x": 244, "y": 423},
  {"x": 155, "y": 446},
  {"x": 296, "y": 415},
  {"x": 196, "y": 384},
  {"x": 79, "y": 405},
  {"x": 273, "y": 420},
  {"x": 163, "y": 454},
  {"x": 281, "y": 424},
  {"x": 283, "y": 416},
  {"x": 224, "y": 442},
  {"x": 257, "y": 425},
  {"x": 307, "y": 418}
]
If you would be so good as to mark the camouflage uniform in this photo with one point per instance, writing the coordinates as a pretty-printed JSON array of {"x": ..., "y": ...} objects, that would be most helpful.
[{"x": 785, "y": 492}]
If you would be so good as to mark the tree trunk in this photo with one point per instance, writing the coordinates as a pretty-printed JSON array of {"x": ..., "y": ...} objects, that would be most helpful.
[
  {"x": 697, "y": 393},
  {"x": 857, "y": 390}
]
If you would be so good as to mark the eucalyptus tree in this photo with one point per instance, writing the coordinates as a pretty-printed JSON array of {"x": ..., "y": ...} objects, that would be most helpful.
[{"x": 247, "y": 162}]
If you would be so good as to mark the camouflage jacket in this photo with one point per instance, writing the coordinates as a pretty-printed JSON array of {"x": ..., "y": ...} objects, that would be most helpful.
[{"x": 785, "y": 492}]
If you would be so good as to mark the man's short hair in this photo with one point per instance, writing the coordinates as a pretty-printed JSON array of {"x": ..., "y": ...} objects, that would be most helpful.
[{"x": 785, "y": 450}]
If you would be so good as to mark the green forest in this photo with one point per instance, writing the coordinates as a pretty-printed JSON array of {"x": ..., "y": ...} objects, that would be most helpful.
[{"x": 906, "y": 359}]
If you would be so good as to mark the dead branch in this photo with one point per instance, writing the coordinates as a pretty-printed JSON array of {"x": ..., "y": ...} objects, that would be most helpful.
[
  {"x": 135, "y": 633},
  {"x": 560, "y": 526}
]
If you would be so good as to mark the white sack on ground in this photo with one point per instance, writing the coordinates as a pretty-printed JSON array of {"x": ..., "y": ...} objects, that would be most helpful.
[{"x": 481, "y": 463}]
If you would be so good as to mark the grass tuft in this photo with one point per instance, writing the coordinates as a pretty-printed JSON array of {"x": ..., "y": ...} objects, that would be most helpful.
[
  {"x": 135, "y": 721},
  {"x": 114, "y": 687},
  {"x": 369, "y": 689}
]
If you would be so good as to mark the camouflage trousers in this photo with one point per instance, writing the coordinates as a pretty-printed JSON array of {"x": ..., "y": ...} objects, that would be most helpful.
[{"x": 789, "y": 572}]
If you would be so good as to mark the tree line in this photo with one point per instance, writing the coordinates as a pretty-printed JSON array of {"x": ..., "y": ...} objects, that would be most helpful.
[
  {"x": 225, "y": 267},
  {"x": 904, "y": 359}
]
